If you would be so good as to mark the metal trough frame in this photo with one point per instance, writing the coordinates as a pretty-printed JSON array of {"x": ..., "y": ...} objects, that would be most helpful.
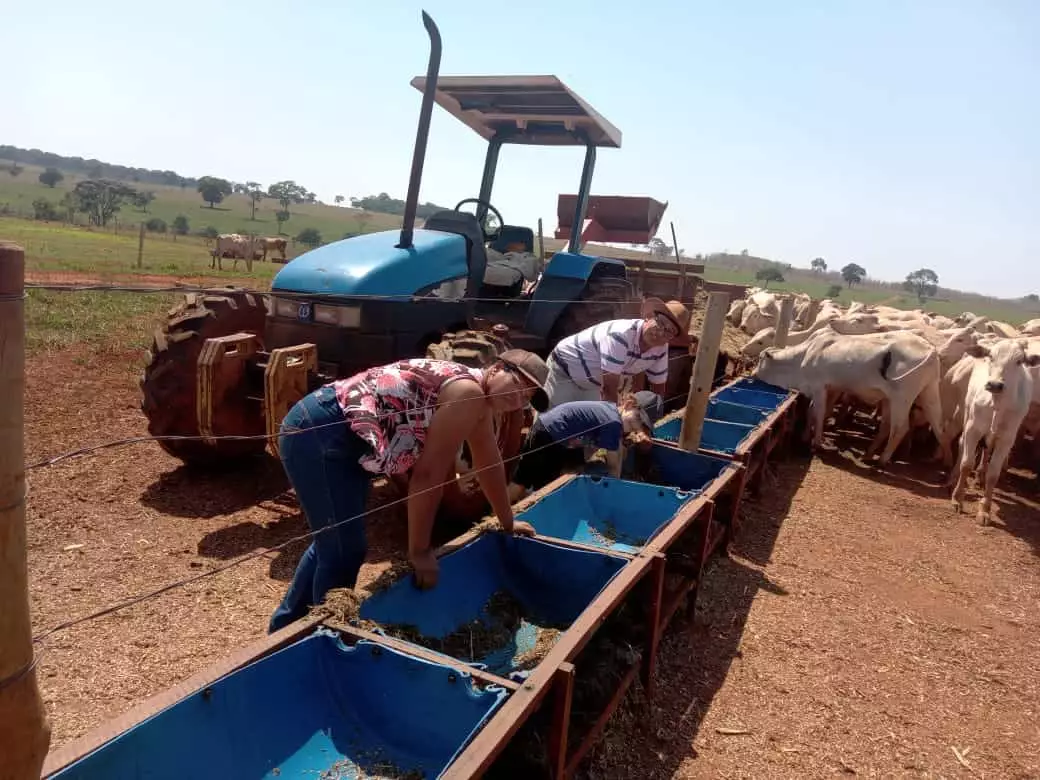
[
  {"x": 706, "y": 520},
  {"x": 554, "y": 677}
]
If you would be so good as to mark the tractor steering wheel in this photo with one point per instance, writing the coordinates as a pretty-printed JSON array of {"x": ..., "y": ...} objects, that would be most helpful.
[{"x": 489, "y": 235}]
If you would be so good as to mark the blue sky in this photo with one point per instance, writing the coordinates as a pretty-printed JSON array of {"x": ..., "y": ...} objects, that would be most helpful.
[{"x": 893, "y": 134}]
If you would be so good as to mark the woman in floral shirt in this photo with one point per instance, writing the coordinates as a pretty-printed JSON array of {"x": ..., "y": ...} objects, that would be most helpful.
[{"x": 410, "y": 416}]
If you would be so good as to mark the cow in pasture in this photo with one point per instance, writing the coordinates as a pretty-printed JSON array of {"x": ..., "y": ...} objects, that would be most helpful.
[
  {"x": 999, "y": 392},
  {"x": 893, "y": 369},
  {"x": 236, "y": 247},
  {"x": 273, "y": 245}
]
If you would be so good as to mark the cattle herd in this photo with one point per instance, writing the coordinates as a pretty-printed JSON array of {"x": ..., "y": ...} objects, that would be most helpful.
[
  {"x": 968, "y": 380},
  {"x": 249, "y": 248}
]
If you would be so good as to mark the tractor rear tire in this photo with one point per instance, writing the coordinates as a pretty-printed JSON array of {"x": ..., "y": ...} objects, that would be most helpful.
[
  {"x": 463, "y": 500},
  {"x": 605, "y": 298},
  {"x": 169, "y": 382}
]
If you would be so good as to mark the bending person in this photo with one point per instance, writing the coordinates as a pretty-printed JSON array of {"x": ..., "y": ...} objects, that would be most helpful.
[
  {"x": 557, "y": 440},
  {"x": 590, "y": 365},
  {"x": 412, "y": 415}
]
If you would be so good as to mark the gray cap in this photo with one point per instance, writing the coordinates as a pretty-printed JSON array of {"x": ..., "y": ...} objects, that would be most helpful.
[
  {"x": 534, "y": 369},
  {"x": 651, "y": 407}
]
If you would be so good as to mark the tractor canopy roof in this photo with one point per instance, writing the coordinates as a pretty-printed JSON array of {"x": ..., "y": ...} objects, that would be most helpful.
[{"x": 534, "y": 110}]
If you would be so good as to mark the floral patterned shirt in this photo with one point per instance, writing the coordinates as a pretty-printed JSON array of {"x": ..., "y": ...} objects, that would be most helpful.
[{"x": 391, "y": 406}]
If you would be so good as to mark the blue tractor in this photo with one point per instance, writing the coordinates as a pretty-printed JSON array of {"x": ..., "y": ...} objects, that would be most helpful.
[{"x": 229, "y": 363}]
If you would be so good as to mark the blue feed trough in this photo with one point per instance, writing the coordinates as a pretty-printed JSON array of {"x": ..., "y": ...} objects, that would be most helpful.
[
  {"x": 689, "y": 471},
  {"x": 615, "y": 514},
  {"x": 716, "y": 435},
  {"x": 315, "y": 709},
  {"x": 550, "y": 584},
  {"x": 749, "y": 391}
]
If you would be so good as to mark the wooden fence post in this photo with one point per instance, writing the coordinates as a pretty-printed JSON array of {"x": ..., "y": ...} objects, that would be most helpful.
[
  {"x": 24, "y": 731},
  {"x": 703, "y": 371},
  {"x": 783, "y": 324},
  {"x": 140, "y": 246}
]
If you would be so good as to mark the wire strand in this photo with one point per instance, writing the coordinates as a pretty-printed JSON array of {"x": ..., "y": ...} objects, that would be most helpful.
[
  {"x": 317, "y": 297},
  {"x": 89, "y": 450},
  {"x": 267, "y": 550}
]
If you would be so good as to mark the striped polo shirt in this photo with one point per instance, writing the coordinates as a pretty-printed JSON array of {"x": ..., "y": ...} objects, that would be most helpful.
[{"x": 611, "y": 347}]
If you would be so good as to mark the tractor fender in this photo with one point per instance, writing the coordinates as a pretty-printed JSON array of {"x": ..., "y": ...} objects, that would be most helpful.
[{"x": 566, "y": 278}]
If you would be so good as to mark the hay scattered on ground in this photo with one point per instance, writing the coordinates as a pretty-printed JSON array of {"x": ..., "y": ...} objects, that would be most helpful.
[
  {"x": 491, "y": 630},
  {"x": 546, "y": 638},
  {"x": 347, "y": 769}
]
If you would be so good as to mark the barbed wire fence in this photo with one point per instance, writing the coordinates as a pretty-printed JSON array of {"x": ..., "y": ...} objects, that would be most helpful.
[{"x": 76, "y": 286}]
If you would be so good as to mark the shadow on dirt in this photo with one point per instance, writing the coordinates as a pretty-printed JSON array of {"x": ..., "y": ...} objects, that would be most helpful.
[
  {"x": 189, "y": 491},
  {"x": 1016, "y": 499},
  {"x": 695, "y": 658},
  {"x": 386, "y": 526}
]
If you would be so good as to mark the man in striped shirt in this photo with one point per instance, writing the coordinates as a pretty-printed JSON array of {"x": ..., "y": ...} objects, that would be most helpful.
[{"x": 589, "y": 365}]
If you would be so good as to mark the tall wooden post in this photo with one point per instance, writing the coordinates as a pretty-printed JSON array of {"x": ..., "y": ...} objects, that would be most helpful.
[
  {"x": 814, "y": 311},
  {"x": 703, "y": 371},
  {"x": 24, "y": 732},
  {"x": 140, "y": 246},
  {"x": 783, "y": 325}
]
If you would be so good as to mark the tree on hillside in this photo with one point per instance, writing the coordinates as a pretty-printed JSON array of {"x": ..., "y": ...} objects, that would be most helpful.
[
  {"x": 213, "y": 189},
  {"x": 834, "y": 291},
  {"x": 309, "y": 236},
  {"x": 770, "y": 274},
  {"x": 1032, "y": 298},
  {"x": 384, "y": 204},
  {"x": 338, "y": 199},
  {"x": 287, "y": 193},
  {"x": 281, "y": 217},
  {"x": 659, "y": 248},
  {"x": 142, "y": 199},
  {"x": 100, "y": 199},
  {"x": 853, "y": 274},
  {"x": 51, "y": 176},
  {"x": 155, "y": 225},
  {"x": 923, "y": 283},
  {"x": 15, "y": 170},
  {"x": 818, "y": 265},
  {"x": 180, "y": 225},
  {"x": 255, "y": 195}
]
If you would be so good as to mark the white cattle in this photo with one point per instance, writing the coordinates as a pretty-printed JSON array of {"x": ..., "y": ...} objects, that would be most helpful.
[
  {"x": 891, "y": 368},
  {"x": 1000, "y": 389},
  {"x": 766, "y": 337},
  {"x": 1030, "y": 328},
  {"x": 736, "y": 309},
  {"x": 237, "y": 247}
]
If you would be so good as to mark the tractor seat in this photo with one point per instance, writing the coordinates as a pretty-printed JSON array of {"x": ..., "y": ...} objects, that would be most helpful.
[{"x": 513, "y": 234}]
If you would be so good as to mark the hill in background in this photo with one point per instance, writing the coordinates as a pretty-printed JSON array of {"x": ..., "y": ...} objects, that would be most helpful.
[{"x": 173, "y": 196}]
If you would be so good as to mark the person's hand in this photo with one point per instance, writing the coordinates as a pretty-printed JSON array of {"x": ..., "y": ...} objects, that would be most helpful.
[
  {"x": 520, "y": 528},
  {"x": 426, "y": 569}
]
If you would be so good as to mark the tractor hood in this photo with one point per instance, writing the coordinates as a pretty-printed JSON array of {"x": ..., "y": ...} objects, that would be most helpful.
[{"x": 371, "y": 264}]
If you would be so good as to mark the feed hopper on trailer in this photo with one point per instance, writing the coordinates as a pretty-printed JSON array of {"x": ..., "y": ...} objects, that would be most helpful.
[
  {"x": 627, "y": 219},
  {"x": 231, "y": 363}
]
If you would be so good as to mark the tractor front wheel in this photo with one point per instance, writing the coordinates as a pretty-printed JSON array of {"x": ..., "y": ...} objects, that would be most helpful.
[{"x": 170, "y": 378}]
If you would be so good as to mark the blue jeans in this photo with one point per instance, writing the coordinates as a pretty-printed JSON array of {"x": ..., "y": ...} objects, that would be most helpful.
[{"x": 331, "y": 486}]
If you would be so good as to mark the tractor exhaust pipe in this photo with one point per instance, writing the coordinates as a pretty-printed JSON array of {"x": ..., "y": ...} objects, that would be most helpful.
[{"x": 411, "y": 203}]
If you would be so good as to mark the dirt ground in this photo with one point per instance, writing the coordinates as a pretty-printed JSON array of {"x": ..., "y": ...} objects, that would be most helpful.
[{"x": 860, "y": 627}]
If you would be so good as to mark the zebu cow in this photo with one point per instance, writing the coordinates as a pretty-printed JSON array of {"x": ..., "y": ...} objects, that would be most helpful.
[
  {"x": 273, "y": 245},
  {"x": 894, "y": 368},
  {"x": 236, "y": 247},
  {"x": 1000, "y": 389},
  {"x": 1030, "y": 328}
]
